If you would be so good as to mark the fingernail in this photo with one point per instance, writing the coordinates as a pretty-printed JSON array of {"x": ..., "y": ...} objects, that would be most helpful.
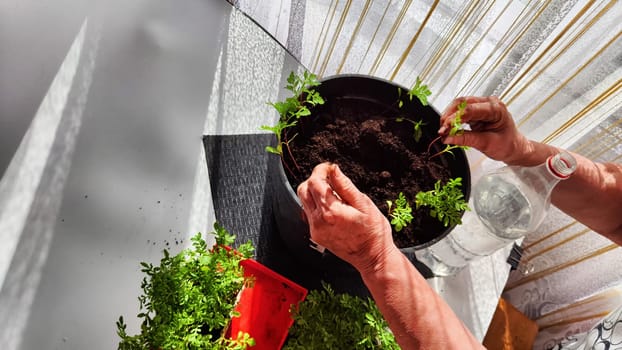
[
  {"x": 442, "y": 130},
  {"x": 336, "y": 169}
]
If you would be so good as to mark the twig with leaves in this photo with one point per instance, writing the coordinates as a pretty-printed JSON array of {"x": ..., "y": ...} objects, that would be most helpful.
[
  {"x": 304, "y": 97},
  {"x": 421, "y": 92}
]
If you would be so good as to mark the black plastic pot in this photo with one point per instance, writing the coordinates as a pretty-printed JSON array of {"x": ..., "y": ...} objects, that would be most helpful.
[{"x": 287, "y": 206}]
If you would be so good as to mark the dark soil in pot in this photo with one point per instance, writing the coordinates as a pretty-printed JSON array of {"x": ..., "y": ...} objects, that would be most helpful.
[{"x": 378, "y": 153}]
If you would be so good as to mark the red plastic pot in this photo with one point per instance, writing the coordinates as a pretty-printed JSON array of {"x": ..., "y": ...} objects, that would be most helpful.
[{"x": 265, "y": 306}]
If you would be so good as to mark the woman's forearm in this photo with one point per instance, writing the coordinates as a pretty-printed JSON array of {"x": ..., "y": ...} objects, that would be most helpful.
[
  {"x": 418, "y": 317},
  {"x": 592, "y": 195}
]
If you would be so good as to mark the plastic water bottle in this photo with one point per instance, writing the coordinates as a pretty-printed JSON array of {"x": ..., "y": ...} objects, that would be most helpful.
[{"x": 506, "y": 204}]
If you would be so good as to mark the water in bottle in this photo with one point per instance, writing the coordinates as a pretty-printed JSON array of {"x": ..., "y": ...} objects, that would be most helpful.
[{"x": 507, "y": 204}]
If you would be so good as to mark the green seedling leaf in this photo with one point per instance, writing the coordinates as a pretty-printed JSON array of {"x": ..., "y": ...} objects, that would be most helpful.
[
  {"x": 456, "y": 129},
  {"x": 456, "y": 124},
  {"x": 273, "y": 150}
]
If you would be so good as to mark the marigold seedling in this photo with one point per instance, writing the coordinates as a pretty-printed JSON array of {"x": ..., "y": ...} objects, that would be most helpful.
[
  {"x": 420, "y": 91},
  {"x": 294, "y": 107},
  {"x": 401, "y": 214},
  {"x": 446, "y": 202}
]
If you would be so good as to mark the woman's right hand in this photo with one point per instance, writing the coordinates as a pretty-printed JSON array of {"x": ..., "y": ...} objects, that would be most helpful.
[{"x": 344, "y": 220}]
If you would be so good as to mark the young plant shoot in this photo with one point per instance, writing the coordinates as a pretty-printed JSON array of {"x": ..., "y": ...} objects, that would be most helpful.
[
  {"x": 294, "y": 107},
  {"x": 446, "y": 202},
  {"x": 422, "y": 92},
  {"x": 456, "y": 129},
  {"x": 401, "y": 213}
]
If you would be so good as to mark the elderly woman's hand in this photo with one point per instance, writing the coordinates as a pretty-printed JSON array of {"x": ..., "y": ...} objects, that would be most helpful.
[
  {"x": 493, "y": 131},
  {"x": 343, "y": 219}
]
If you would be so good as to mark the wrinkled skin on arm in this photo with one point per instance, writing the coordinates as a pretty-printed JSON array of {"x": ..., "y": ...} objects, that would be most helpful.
[{"x": 348, "y": 223}]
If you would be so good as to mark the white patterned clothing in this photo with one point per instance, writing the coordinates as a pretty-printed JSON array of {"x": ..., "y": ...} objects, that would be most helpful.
[{"x": 605, "y": 335}]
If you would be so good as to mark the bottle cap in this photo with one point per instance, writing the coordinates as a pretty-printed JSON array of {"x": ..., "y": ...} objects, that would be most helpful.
[{"x": 561, "y": 165}]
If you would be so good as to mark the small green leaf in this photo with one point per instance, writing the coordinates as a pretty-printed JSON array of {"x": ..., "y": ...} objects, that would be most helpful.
[
  {"x": 418, "y": 132},
  {"x": 456, "y": 124},
  {"x": 273, "y": 150},
  {"x": 316, "y": 99},
  {"x": 304, "y": 111},
  {"x": 281, "y": 107},
  {"x": 401, "y": 214},
  {"x": 421, "y": 91},
  {"x": 291, "y": 78}
]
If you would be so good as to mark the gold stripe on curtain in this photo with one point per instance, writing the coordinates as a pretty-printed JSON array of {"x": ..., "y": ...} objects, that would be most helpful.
[
  {"x": 565, "y": 83},
  {"x": 559, "y": 267},
  {"x": 598, "y": 137},
  {"x": 527, "y": 245},
  {"x": 610, "y": 92},
  {"x": 373, "y": 38},
  {"x": 592, "y": 308},
  {"x": 321, "y": 40},
  {"x": 531, "y": 255},
  {"x": 479, "y": 41},
  {"x": 561, "y": 51},
  {"x": 517, "y": 30},
  {"x": 355, "y": 33},
  {"x": 387, "y": 42},
  {"x": 333, "y": 41},
  {"x": 413, "y": 40}
]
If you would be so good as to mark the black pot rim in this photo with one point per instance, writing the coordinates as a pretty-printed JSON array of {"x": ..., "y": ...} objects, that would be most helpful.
[{"x": 466, "y": 182}]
